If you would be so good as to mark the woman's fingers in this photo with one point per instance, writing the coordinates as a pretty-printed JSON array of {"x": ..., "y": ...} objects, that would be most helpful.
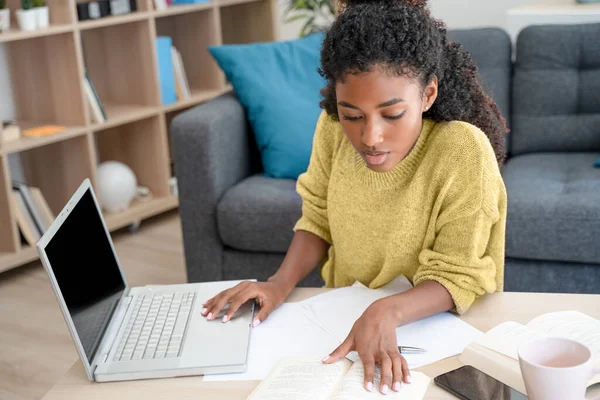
[
  {"x": 236, "y": 302},
  {"x": 385, "y": 364},
  {"x": 405, "y": 370},
  {"x": 341, "y": 351},
  {"x": 369, "y": 366},
  {"x": 218, "y": 302},
  {"x": 265, "y": 309},
  {"x": 397, "y": 372}
]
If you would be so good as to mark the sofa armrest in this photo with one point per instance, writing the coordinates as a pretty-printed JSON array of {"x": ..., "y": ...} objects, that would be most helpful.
[{"x": 211, "y": 154}]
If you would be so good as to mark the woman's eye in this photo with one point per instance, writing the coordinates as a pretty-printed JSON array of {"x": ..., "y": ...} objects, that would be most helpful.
[
  {"x": 398, "y": 116},
  {"x": 351, "y": 118}
]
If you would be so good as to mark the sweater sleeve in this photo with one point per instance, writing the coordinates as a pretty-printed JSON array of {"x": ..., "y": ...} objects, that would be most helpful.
[
  {"x": 465, "y": 259},
  {"x": 313, "y": 184}
]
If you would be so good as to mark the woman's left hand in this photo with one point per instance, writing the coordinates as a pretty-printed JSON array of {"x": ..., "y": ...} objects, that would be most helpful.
[{"x": 373, "y": 336}]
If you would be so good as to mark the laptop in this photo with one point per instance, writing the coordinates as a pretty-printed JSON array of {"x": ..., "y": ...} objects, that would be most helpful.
[{"x": 125, "y": 333}]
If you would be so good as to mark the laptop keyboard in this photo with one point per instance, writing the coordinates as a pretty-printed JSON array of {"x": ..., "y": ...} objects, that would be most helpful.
[{"x": 156, "y": 327}]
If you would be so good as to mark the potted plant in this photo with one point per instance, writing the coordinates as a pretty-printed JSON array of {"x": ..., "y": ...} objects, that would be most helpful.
[
  {"x": 42, "y": 13},
  {"x": 4, "y": 16},
  {"x": 26, "y": 16},
  {"x": 316, "y": 14}
]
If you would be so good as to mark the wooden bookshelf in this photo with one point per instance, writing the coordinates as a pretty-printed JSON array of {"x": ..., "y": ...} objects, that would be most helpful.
[{"x": 47, "y": 68}]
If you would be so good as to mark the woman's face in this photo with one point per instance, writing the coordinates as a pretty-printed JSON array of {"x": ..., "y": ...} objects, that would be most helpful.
[{"x": 381, "y": 115}]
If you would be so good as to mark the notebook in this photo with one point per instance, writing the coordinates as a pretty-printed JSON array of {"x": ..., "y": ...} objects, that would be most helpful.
[{"x": 308, "y": 377}]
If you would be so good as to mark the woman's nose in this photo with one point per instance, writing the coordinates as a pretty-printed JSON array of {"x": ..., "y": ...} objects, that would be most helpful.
[{"x": 372, "y": 134}]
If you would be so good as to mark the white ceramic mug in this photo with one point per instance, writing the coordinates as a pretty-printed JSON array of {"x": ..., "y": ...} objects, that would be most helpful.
[{"x": 556, "y": 369}]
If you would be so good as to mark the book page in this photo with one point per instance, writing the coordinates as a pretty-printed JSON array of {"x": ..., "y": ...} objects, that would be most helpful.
[
  {"x": 353, "y": 386},
  {"x": 571, "y": 325},
  {"x": 507, "y": 337},
  {"x": 301, "y": 378}
]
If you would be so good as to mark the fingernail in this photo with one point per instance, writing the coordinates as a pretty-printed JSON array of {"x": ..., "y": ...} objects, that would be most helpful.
[
  {"x": 225, "y": 318},
  {"x": 255, "y": 323},
  {"x": 384, "y": 389},
  {"x": 203, "y": 311},
  {"x": 408, "y": 379},
  {"x": 325, "y": 358},
  {"x": 209, "y": 316},
  {"x": 370, "y": 386},
  {"x": 396, "y": 386}
]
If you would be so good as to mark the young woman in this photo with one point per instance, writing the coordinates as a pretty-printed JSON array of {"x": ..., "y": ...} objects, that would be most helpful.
[{"x": 403, "y": 180}]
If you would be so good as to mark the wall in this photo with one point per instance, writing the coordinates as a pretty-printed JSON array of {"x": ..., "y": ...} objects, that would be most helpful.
[{"x": 481, "y": 13}]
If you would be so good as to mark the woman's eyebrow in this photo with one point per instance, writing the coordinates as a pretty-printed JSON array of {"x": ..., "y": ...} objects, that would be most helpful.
[{"x": 388, "y": 103}]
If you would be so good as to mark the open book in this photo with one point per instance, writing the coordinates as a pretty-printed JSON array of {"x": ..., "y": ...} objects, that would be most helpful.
[
  {"x": 496, "y": 352},
  {"x": 308, "y": 378}
]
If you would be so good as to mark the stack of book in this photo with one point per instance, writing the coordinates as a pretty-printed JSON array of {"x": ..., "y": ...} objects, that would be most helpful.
[
  {"x": 173, "y": 78},
  {"x": 33, "y": 214},
  {"x": 182, "y": 86},
  {"x": 96, "y": 108}
]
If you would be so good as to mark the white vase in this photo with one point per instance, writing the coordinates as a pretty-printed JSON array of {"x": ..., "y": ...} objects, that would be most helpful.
[
  {"x": 4, "y": 19},
  {"x": 42, "y": 16},
  {"x": 27, "y": 20}
]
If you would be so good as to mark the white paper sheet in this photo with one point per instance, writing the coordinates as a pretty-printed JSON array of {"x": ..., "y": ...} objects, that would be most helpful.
[
  {"x": 287, "y": 332},
  {"x": 443, "y": 335}
]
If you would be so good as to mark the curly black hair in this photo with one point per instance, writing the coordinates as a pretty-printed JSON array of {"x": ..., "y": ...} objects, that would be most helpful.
[{"x": 402, "y": 37}]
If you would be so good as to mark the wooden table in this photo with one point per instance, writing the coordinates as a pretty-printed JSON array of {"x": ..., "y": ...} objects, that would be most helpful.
[{"x": 484, "y": 315}]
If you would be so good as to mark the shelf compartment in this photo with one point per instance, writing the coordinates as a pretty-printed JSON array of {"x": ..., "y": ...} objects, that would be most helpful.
[
  {"x": 58, "y": 169},
  {"x": 191, "y": 34},
  {"x": 9, "y": 235},
  {"x": 142, "y": 147},
  {"x": 61, "y": 12},
  {"x": 248, "y": 21},
  {"x": 42, "y": 71},
  {"x": 120, "y": 62},
  {"x": 139, "y": 211}
]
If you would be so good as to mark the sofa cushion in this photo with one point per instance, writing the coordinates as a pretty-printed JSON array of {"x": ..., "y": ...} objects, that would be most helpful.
[
  {"x": 553, "y": 207},
  {"x": 491, "y": 49},
  {"x": 556, "y": 101},
  {"x": 279, "y": 86},
  {"x": 259, "y": 213}
]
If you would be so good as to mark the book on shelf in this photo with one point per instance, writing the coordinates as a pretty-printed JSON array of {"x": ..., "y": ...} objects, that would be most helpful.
[
  {"x": 34, "y": 216},
  {"x": 95, "y": 105},
  {"x": 166, "y": 73},
  {"x": 308, "y": 377},
  {"x": 181, "y": 82},
  {"x": 496, "y": 352}
]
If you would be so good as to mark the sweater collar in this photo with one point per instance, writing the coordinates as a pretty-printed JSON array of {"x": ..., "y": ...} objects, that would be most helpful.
[{"x": 402, "y": 171}]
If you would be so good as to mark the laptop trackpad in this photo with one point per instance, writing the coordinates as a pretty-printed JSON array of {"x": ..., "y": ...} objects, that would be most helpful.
[{"x": 214, "y": 343}]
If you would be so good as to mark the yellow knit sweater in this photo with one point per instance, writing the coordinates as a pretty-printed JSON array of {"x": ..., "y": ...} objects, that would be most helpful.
[{"x": 439, "y": 215}]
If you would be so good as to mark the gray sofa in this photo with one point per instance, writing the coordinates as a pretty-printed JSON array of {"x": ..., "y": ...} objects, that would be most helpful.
[{"x": 237, "y": 223}]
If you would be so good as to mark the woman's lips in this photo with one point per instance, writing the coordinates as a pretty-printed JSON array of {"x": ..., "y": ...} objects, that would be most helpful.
[{"x": 375, "y": 157}]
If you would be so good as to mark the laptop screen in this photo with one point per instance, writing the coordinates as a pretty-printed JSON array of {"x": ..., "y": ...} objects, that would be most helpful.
[{"x": 87, "y": 273}]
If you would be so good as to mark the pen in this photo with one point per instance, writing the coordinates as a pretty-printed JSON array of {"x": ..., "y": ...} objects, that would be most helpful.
[{"x": 411, "y": 350}]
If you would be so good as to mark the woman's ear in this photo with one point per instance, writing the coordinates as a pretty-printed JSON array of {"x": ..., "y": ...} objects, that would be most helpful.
[{"x": 430, "y": 94}]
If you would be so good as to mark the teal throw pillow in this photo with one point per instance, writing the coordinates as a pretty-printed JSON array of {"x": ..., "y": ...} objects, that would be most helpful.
[{"x": 279, "y": 86}]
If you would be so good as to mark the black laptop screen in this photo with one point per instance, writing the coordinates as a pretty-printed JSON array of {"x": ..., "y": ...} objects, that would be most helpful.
[{"x": 85, "y": 267}]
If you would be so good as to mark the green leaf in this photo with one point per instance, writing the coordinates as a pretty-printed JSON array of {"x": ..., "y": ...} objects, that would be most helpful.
[
  {"x": 296, "y": 18},
  {"x": 306, "y": 29}
]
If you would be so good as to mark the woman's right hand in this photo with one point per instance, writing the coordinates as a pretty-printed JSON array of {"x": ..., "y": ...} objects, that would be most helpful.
[{"x": 269, "y": 295}]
